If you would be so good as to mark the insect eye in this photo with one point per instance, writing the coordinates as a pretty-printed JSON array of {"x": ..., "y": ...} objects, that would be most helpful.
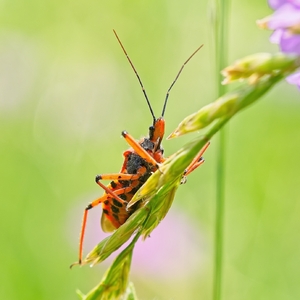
[{"x": 151, "y": 132}]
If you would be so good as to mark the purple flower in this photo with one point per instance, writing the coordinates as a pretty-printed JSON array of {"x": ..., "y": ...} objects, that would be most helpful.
[
  {"x": 275, "y": 4},
  {"x": 294, "y": 79},
  {"x": 285, "y": 21}
]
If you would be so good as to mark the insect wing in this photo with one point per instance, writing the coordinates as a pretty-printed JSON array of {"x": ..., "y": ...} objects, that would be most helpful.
[{"x": 106, "y": 224}]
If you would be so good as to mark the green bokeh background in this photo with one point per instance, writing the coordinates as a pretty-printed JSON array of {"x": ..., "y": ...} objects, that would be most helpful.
[{"x": 67, "y": 92}]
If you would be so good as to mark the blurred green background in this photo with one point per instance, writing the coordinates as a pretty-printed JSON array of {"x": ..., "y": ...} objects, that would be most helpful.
[{"x": 67, "y": 92}]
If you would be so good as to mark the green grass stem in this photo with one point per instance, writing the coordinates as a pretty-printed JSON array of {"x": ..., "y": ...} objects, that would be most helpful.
[{"x": 221, "y": 46}]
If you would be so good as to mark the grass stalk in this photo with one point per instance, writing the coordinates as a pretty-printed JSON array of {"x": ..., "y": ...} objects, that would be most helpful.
[{"x": 221, "y": 49}]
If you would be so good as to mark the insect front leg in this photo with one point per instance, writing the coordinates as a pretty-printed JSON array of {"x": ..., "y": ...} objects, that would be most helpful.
[
  {"x": 196, "y": 162},
  {"x": 139, "y": 149}
]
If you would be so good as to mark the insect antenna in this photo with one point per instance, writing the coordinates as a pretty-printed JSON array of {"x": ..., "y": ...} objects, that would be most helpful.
[
  {"x": 168, "y": 92},
  {"x": 137, "y": 75}
]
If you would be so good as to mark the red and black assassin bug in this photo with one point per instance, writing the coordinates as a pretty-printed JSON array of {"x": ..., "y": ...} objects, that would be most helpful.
[{"x": 140, "y": 161}]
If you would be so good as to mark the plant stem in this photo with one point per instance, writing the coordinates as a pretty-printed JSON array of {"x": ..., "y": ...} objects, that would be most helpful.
[
  {"x": 219, "y": 216},
  {"x": 221, "y": 43}
]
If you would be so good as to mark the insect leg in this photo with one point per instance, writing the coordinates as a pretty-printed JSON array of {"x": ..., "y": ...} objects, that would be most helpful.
[
  {"x": 95, "y": 203},
  {"x": 107, "y": 189},
  {"x": 84, "y": 219},
  {"x": 118, "y": 176},
  {"x": 139, "y": 149},
  {"x": 197, "y": 161}
]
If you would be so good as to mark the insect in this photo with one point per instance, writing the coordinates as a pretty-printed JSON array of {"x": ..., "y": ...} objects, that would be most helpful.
[{"x": 140, "y": 161}]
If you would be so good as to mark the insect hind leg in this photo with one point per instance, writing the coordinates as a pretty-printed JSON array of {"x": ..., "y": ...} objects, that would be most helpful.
[
  {"x": 83, "y": 225},
  {"x": 109, "y": 193}
]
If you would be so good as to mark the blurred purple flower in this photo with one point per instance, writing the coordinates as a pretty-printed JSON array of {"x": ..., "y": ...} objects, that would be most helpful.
[
  {"x": 285, "y": 21},
  {"x": 176, "y": 235},
  {"x": 275, "y": 4},
  {"x": 294, "y": 79}
]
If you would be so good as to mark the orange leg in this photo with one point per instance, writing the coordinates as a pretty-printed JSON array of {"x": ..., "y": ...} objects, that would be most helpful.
[
  {"x": 139, "y": 149},
  {"x": 197, "y": 161},
  {"x": 84, "y": 219},
  {"x": 114, "y": 194},
  {"x": 109, "y": 194},
  {"x": 118, "y": 176}
]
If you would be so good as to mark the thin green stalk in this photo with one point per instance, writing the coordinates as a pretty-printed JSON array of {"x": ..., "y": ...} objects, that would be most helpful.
[
  {"x": 219, "y": 216},
  {"x": 221, "y": 44}
]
